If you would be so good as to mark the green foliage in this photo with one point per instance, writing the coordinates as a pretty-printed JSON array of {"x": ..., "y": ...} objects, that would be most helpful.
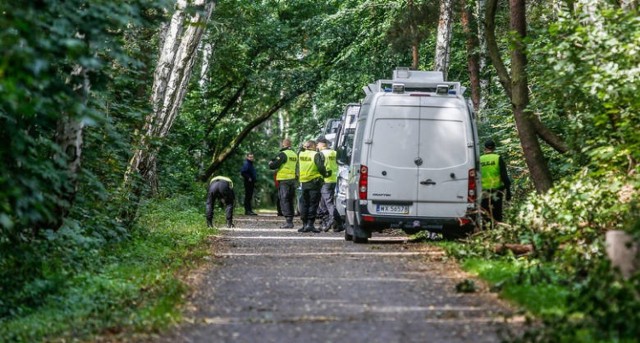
[
  {"x": 45, "y": 234},
  {"x": 541, "y": 292},
  {"x": 590, "y": 65},
  {"x": 132, "y": 286}
]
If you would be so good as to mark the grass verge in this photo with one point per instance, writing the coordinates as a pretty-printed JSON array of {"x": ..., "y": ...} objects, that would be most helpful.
[
  {"x": 535, "y": 288},
  {"x": 131, "y": 287},
  {"x": 508, "y": 278}
]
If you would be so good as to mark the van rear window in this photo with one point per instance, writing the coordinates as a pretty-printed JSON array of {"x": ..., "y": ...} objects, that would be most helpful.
[{"x": 399, "y": 141}]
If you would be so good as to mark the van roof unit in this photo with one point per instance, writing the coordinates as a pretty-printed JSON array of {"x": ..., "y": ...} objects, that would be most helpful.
[{"x": 416, "y": 81}]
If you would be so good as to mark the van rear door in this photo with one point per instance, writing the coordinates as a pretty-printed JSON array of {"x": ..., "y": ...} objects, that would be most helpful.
[
  {"x": 445, "y": 158},
  {"x": 393, "y": 149}
]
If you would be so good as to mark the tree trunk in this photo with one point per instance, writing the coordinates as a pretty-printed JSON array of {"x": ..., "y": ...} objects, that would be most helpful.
[
  {"x": 171, "y": 78},
  {"x": 534, "y": 156},
  {"x": 207, "y": 51},
  {"x": 622, "y": 250},
  {"x": 443, "y": 38},
  {"x": 415, "y": 44},
  {"x": 473, "y": 64},
  {"x": 415, "y": 56},
  {"x": 69, "y": 137},
  {"x": 482, "y": 56},
  {"x": 517, "y": 90}
]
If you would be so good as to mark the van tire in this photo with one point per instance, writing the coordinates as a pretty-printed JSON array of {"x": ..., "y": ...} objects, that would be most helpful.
[
  {"x": 360, "y": 240},
  {"x": 347, "y": 235},
  {"x": 453, "y": 232},
  {"x": 360, "y": 235}
]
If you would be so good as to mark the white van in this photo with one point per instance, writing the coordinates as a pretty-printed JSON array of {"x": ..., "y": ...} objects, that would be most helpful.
[
  {"x": 415, "y": 163},
  {"x": 330, "y": 130},
  {"x": 344, "y": 148}
]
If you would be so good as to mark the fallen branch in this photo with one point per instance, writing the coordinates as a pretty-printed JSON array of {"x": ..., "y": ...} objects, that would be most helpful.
[{"x": 516, "y": 249}]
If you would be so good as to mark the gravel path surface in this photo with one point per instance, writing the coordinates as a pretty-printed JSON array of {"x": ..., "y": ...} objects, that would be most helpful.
[{"x": 277, "y": 285}]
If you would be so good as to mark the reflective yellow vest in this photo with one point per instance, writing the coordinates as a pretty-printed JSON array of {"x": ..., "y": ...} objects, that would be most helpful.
[
  {"x": 223, "y": 178},
  {"x": 287, "y": 170},
  {"x": 490, "y": 171},
  {"x": 308, "y": 169},
  {"x": 331, "y": 164}
]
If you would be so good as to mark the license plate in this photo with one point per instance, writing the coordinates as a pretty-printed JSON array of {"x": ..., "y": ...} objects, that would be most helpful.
[{"x": 392, "y": 209}]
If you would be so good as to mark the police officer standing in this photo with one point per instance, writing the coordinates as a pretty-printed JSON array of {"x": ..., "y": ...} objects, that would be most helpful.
[
  {"x": 495, "y": 182},
  {"x": 249, "y": 175},
  {"x": 327, "y": 209},
  {"x": 220, "y": 187},
  {"x": 285, "y": 164},
  {"x": 312, "y": 172}
]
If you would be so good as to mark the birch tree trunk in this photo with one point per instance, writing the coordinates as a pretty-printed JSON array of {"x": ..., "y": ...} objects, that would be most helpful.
[
  {"x": 444, "y": 37},
  {"x": 171, "y": 78},
  {"x": 69, "y": 136},
  {"x": 482, "y": 57}
]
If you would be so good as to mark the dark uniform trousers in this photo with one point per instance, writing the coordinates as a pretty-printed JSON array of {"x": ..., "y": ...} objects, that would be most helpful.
[
  {"x": 327, "y": 209},
  {"x": 220, "y": 189},
  {"x": 310, "y": 200},
  {"x": 249, "y": 187},
  {"x": 492, "y": 204},
  {"x": 287, "y": 195}
]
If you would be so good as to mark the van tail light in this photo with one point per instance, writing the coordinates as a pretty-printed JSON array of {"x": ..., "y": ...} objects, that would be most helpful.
[
  {"x": 364, "y": 182},
  {"x": 471, "y": 189},
  {"x": 369, "y": 219}
]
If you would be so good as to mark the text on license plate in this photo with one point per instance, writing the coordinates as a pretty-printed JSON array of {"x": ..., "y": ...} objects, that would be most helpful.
[{"x": 395, "y": 209}]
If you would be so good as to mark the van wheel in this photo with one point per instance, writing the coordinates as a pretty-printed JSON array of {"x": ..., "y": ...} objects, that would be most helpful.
[
  {"x": 360, "y": 240},
  {"x": 452, "y": 232},
  {"x": 347, "y": 235},
  {"x": 359, "y": 234}
]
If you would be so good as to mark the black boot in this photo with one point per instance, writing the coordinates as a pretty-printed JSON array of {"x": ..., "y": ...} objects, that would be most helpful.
[
  {"x": 288, "y": 224},
  {"x": 304, "y": 226},
  {"x": 338, "y": 226},
  {"x": 310, "y": 227},
  {"x": 209, "y": 223},
  {"x": 230, "y": 223}
]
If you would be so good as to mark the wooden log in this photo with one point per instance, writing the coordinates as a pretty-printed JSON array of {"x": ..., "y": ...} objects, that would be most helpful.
[{"x": 517, "y": 249}]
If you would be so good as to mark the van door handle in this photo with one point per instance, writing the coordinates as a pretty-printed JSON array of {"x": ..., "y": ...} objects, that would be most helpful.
[{"x": 427, "y": 182}]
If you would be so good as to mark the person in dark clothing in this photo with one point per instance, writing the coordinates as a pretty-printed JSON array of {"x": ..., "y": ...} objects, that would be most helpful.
[
  {"x": 277, "y": 184},
  {"x": 311, "y": 173},
  {"x": 496, "y": 184},
  {"x": 249, "y": 176},
  {"x": 220, "y": 188},
  {"x": 286, "y": 163}
]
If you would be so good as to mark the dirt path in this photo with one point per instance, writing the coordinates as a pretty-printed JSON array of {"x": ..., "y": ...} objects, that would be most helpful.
[{"x": 275, "y": 285}]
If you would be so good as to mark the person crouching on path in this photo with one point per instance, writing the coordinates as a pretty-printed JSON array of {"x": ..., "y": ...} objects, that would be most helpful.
[
  {"x": 285, "y": 164},
  {"x": 327, "y": 211},
  {"x": 312, "y": 171},
  {"x": 220, "y": 187}
]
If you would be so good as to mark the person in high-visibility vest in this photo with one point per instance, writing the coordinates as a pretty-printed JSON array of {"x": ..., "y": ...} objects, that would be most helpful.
[
  {"x": 286, "y": 164},
  {"x": 220, "y": 187},
  {"x": 311, "y": 173},
  {"x": 327, "y": 211},
  {"x": 496, "y": 184}
]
